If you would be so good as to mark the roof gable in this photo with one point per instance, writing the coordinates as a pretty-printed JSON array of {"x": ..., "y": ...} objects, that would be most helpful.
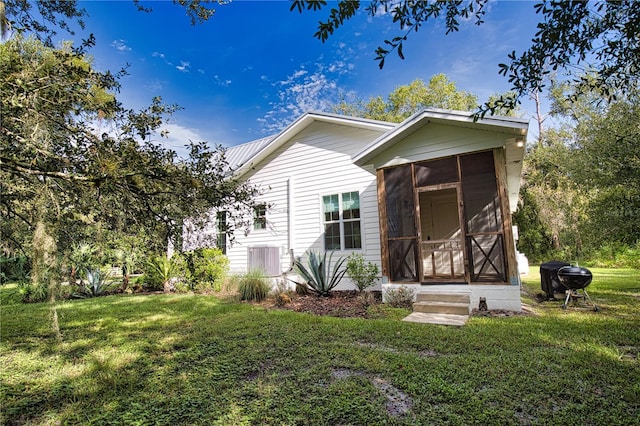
[
  {"x": 509, "y": 125},
  {"x": 244, "y": 157}
]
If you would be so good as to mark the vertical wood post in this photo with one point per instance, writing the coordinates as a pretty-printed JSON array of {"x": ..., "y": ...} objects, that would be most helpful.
[
  {"x": 382, "y": 214},
  {"x": 500, "y": 162}
]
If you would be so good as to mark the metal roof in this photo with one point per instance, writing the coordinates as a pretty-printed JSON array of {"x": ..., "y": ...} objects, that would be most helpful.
[{"x": 238, "y": 155}]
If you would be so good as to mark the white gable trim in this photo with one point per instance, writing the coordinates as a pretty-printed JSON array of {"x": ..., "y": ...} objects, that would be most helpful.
[
  {"x": 510, "y": 125},
  {"x": 300, "y": 124}
]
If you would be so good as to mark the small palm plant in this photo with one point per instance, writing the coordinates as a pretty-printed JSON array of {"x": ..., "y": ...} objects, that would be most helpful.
[
  {"x": 318, "y": 275},
  {"x": 164, "y": 269}
]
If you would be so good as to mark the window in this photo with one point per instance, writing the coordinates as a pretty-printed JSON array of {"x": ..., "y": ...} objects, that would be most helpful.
[
  {"x": 221, "y": 229},
  {"x": 341, "y": 219},
  {"x": 260, "y": 217}
]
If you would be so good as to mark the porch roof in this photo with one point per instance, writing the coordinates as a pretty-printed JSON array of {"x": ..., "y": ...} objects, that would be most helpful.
[{"x": 515, "y": 131}]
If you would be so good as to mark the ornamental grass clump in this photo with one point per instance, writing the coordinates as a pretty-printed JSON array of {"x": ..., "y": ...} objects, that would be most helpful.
[
  {"x": 318, "y": 275},
  {"x": 253, "y": 286}
]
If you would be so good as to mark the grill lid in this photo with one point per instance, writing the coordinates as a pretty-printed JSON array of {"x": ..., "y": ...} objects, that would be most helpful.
[{"x": 574, "y": 277}]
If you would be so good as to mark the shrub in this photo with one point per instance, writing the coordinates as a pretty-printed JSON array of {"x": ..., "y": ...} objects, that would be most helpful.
[
  {"x": 30, "y": 293},
  {"x": 139, "y": 284},
  {"x": 253, "y": 286},
  {"x": 282, "y": 299},
  {"x": 15, "y": 268},
  {"x": 401, "y": 297},
  {"x": 302, "y": 289},
  {"x": 616, "y": 256},
  {"x": 207, "y": 268},
  {"x": 281, "y": 293},
  {"x": 318, "y": 275},
  {"x": 363, "y": 275},
  {"x": 83, "y": 256}
]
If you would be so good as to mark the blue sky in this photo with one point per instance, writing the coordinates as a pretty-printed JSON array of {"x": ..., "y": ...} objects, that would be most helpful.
[{"x": 255, "y": 66}]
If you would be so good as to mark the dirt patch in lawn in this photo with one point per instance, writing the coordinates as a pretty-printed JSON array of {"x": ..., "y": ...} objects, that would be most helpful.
[{"x": 398, "y": 403}]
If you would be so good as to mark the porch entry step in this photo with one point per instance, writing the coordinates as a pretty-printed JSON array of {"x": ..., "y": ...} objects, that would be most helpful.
[
  {"x": 440, "y": 296},
  {"x": 440, "y": 319},
  {"x": 441, "y": 308},
  {"x": 442, "y": 302}
]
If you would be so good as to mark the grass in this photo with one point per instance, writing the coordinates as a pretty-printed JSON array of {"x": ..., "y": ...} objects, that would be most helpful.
[{"x": 193, "y": 359}]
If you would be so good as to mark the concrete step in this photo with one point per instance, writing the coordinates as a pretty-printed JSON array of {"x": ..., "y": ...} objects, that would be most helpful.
[
  {"x": 441, "y": 319},
  {"x": 430, "y": 307},
  {"x": 451, "y": 297}
]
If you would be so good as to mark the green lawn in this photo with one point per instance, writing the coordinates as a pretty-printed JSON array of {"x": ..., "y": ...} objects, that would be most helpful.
[{"x": 185, "y": 359}]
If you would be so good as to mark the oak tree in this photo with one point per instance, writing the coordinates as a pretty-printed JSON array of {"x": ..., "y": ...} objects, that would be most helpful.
[
  {"x": 599, "y": 38},
  {"x": 408, "y": 99},
  {"x": 72, "y": 157}
]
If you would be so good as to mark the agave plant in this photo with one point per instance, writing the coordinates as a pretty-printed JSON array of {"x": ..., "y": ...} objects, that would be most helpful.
[
  {"x": 96, "y": 285},
  {"x": 318, "y": 275}
]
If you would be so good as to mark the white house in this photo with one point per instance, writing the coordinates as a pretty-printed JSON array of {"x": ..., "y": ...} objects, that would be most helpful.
[{"x": 429, "y": 200}]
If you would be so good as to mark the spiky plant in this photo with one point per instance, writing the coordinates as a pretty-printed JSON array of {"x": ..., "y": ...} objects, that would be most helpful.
[
  {"x": 97, "y": 284},
  {"x": 318, "y": 275}
]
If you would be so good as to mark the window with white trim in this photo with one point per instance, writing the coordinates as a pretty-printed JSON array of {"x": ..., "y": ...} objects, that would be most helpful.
[
  {"x": 221, "y": 231},
  {"x": 260, "y": 217},
  {"x": 341, "y": 220}
]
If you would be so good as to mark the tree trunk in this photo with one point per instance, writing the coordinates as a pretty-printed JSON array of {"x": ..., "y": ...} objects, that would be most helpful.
[
  {"x": 555, "y": 240},
  {"x": 125, "y": 277},
  {"x": 44, "y": 270}
]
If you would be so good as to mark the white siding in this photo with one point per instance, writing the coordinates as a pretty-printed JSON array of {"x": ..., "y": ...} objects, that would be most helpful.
[{"x": 315, "y": 162}]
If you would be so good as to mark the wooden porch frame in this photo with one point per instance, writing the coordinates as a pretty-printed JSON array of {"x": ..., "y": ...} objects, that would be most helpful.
[
  {"x": 457, "y": 186},
  {"x": 509, "y": 255}
]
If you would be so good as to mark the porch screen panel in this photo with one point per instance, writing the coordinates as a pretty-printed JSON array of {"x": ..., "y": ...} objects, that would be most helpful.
[
  {"x": 401, "y": 210},
  {"x": 483, "y": 217},
  {"x": 436, "y": 172},
  {"x": 402, "y": 234}
]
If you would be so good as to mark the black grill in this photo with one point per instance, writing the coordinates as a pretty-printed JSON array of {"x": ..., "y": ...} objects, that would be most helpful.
[
  {"x": 551, "y": 284},
  {"x": 561, "y": 277}
]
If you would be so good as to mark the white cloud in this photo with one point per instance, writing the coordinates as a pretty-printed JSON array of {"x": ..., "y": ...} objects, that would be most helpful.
[
  {"x": 163, "y": 57},
  {"x": 221, "y": 82},
  {"x": 184, "y": 66},
  {"x": 120, "y": 45},
  {"x": 155, "y": 85},
  {"x": 304, "y": 91},
  {"x": 177, "y": 137}
]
